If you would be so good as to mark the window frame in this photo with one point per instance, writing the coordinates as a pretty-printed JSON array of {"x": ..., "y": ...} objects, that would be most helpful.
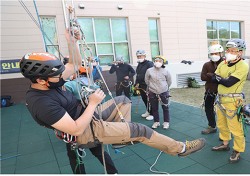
[
  {"x": 56, "y": 46},
  {"x": 222, "y": 41},
  {"x": 112, "y": 42},
  {"x": 158, "y": 36}
]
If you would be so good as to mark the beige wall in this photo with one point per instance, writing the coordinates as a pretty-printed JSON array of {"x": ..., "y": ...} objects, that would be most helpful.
[{"x": 182, "y": 26}]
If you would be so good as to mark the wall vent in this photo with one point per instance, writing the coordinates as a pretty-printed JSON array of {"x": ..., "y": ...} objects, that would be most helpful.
[{"x": 182, "y": 79}]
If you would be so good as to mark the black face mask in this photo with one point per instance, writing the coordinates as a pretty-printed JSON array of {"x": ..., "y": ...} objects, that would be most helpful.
[{"x": 53, "y": 85}]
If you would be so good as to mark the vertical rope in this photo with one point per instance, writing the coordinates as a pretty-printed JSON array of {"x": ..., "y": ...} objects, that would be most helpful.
[{"x": 40, "y": 24}]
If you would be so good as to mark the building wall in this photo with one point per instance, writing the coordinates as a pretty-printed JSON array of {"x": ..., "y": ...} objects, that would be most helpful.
[{"x": 182, "y": 25}]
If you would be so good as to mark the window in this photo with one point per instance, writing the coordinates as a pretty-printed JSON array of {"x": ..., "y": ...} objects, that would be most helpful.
[
  {"x": 154, "y": 38},
  {"x": 50, "y": 35},
  {"x": 106, "y": 37},
  {"x": 222, "y": 31}
]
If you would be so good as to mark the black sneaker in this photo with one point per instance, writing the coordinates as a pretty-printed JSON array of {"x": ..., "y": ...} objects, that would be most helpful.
[
  {"x": 221, "y": 147},
  {"x": 235, "y": 157},
  {"x": 209, "y": 130},
  {"x": 193, "y": 146}
]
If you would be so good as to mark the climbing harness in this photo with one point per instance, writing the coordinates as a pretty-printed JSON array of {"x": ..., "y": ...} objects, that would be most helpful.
[
  {"x": 223, "y": 109},
  {"x": 122, "y": 83},
  {"x": 161, "y": 102}
]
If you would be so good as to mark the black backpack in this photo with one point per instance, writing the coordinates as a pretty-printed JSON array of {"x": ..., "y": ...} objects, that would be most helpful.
[{"x": 6, "y": 101}]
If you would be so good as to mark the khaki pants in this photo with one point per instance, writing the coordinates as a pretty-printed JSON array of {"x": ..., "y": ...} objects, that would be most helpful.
[
  {"x": 112, "y": 130},
  {"x": 227, "y": 126}
]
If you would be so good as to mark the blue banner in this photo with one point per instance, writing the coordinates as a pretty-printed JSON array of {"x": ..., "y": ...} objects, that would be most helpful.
[{"x": 10, "y": 66}]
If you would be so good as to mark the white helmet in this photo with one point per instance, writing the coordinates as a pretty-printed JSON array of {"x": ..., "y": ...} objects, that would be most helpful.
[{"x": 215, "y": 49}]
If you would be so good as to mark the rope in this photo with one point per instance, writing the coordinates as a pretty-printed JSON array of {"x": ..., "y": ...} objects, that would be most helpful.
[
  {"x": 34, "y": 20},
  {"x": 242, "y": 119},
  {"x": 78, "y": 161},
  {"x": 40, "y": 25},
  {"x": 103, "y": 159},
  {"x": 158, "y": 172}
]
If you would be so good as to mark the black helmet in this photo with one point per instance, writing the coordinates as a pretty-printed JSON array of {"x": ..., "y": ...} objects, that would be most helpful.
[{"x": 40, "y": 65}]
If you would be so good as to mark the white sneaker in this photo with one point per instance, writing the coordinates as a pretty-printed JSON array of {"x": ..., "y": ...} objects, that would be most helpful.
[
  {"x": 155, "y": 125},
  {"x": 150, "y": 117},
  {"x": 146, "y": 114},
  {"x": 165, "y": 125}
]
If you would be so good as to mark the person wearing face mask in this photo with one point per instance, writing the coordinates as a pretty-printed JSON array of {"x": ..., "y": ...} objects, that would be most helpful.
[
  {"x": 231, "y": 76},
  {"x": 158, "y": 80},
  {"x": 140, "y": 84},
  {"x": 124, "y": 72},
  {"x": 215, "y": 55}
]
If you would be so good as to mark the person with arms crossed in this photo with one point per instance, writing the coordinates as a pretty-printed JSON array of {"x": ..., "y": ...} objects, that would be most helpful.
[
  {"x": 231, "y": 77},
  {"x": 215, "y": 55}
]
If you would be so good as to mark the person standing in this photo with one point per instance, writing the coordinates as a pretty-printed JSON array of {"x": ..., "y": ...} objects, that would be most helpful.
[
  {"x": 215, "y": 55},
  {"x": 140, "y": 83},
  {"x": 158, "y": 80},
  {"x": 124, "y": 72},
  {"x": 231, "y": 77}
]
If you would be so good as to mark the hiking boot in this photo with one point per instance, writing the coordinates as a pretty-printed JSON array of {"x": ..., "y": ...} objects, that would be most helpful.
[
  {"x": 146, "y": 114},
  {"x": 235, "y": 157},
  {"x": 165, "y": 125},
  {"x": 209, "y": 130},
  {"x": 221, "y": 147},
  {"x": 150, "y": 117},
  {"x": 193, "y": 146},
  {"x": 155, "y": 125}
]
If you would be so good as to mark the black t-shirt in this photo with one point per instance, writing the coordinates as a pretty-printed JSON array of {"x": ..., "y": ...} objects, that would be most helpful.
[{"x": 49, "y": 106}]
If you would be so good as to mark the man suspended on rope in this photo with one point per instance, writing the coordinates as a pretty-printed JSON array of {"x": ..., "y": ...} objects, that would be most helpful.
[
  {"x": 124, "y": 74},
  {"x": 54, "y": 108},
  {"x": 231, "y": 77},
  {"x": 158, "y": 80},
  {"x": 48, "y": 102},
  {"x": 215, "y": 52},
  {"x": 140, "y": 84}
]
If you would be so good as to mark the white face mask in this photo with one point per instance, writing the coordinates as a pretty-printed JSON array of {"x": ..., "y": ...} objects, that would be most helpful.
[
  {"x": 230, "y": 57},
  {"x": 158, "y": 64},
  {"x": 140, "y": 60},
  {"x": 214, "y": 58}
]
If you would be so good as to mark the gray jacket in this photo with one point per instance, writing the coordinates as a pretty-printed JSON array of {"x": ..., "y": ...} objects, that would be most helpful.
[{"x": 158, "y": 80}]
